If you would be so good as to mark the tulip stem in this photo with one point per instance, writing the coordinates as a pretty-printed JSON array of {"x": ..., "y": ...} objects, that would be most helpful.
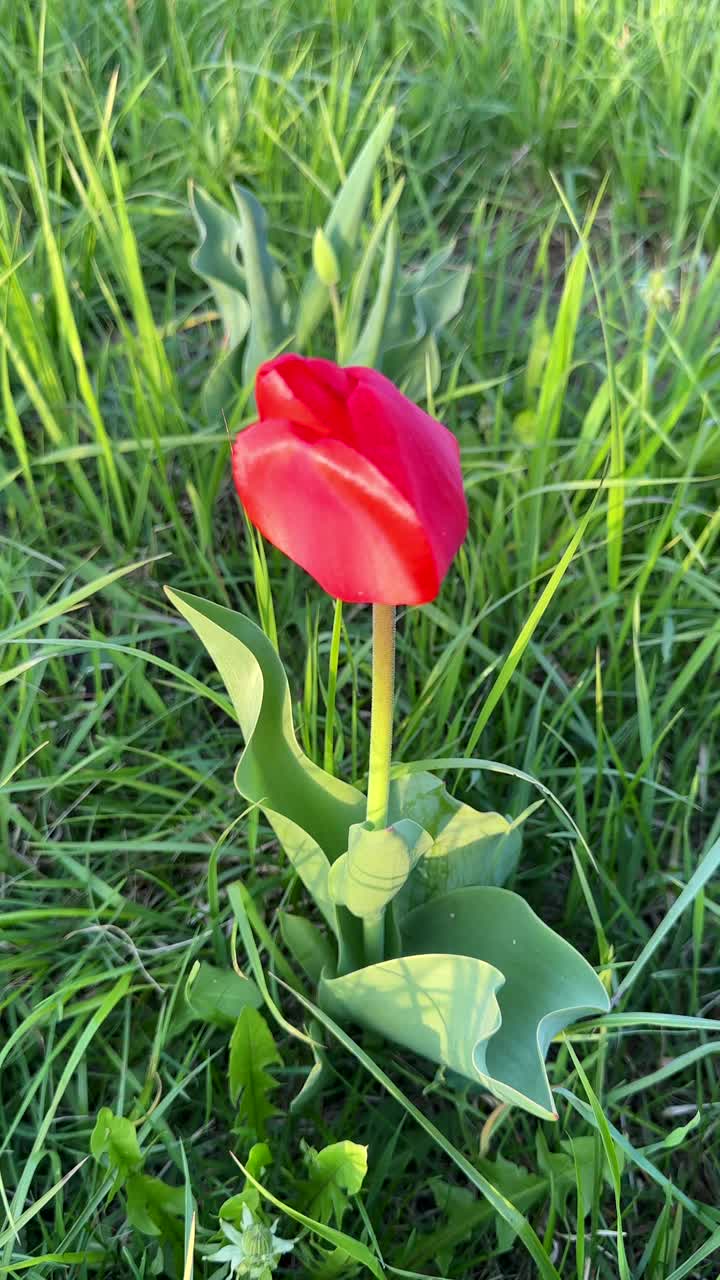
[
  {"x": 381, "y": 723},
  {"x": 374, "y": 938},
  {"x": 383, "y": 681}
]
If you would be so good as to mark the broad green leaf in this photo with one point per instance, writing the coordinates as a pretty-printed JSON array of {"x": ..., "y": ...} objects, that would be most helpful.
[
  {"x": 265, "y": 285},
  {"x": 312, "y": 949},
  {"x": 573, "y": 1163},
  {"x": 376, "y": 865},
  {"x": 547, "y": 986},
  {"x": 335, "y": 1264},
  {"x": 216, "y": 260},
  {"x": 216, "y": 996},
  {"x": 154, "y": 1208},
  {"x": 334, "y": 1173},
  {"x": 369, "y": 346},
  {"x": 496, "y": 1200},
  {"x": 306, "y": 856},
  {"x": 459, "y": 1205},
  {"x": 342, "y": 226},
  {"x": 427, "y": 300},
  {"x": 470, "y": 848},
  {"x": 252, "y": 1049},
  {"x": 272, "y": 772},
  {"x": 115, "y": 1138},
  {"x": 441, "y": 1006}
]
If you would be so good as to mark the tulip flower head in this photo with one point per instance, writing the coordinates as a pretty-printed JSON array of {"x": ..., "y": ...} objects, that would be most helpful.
[{"x": 352, "y": 481}]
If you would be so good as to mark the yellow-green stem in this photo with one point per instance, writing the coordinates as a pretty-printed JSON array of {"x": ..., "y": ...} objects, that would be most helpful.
[
  {"x": 383, "y": 681},
  {"x": 329, "y": 752}
]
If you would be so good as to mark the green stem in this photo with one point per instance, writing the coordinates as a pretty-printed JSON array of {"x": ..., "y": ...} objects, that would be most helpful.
[
  {"x": 374, "y": 938},
  {"x": 329, "y": 752},
  {"x": 383, "y": 680}
]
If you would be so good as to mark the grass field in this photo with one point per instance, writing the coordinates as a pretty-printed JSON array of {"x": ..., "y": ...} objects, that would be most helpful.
[{"x": 572, "y": 149}]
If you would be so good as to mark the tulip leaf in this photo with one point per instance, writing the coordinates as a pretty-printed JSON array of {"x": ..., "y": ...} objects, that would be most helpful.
[
  {"x": 216, "y": 260},
  {"x": 376, "y": 866},
  {"x": 548, "y": 985},
  {"x": 470, "y": 848},
  {"x": 369, "y": 346},
  {"x": 482, "y": 989},
  {"x": 265, "y": 285},
  {"x": 427, "y": 300},
  {"x": 342, "y": 227},
  {"x": 312, "y": 949},
  {"x": 440, "y": 1006},
  {"x": 310, "y": 810}
]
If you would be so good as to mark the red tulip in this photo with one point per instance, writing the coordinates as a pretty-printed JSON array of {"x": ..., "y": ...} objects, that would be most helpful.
[{"x": 352, "y": 481}]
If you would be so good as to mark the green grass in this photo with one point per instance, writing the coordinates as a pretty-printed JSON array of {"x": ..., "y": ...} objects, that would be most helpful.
[{"x": 585, "y": 365}]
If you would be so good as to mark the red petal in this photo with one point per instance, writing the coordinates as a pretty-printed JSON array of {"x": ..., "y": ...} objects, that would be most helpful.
[
  {"x": 312, "y": 393},
  {"x": 329, "y": 509},
  {"x": 417, "y": 455}
]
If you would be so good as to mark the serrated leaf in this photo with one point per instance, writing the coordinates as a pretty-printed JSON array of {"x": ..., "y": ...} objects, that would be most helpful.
[
  {"x": 342, "y": 226},
  {"x": 312, "y": 950},
  {"x": 336, "y": 1172},
  {"x": 252, "y": 1049},
  {"x": 154, "y": 1208},
  {"x": 115, "y": 1138},
  {"x": 216, "y": 996},
  {"x": 376, "y": 865}
]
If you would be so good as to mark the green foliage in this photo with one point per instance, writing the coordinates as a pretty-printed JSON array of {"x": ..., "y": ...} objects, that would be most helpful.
[
  {"x": 115, "y": 1139},
  {"x": 113, "y": 748},
  {"x": 469, "y": 848},
  {"x": 334, "y": 1173},
  {"x": 216, "y": 996},
  {"x": 154, "y": 1208},
  {"x": 252, "y": 1049},
  {"x": 259, "y": 1159},
  {"x": 443, "y": 1004},
  {"x": 398, "y": 332},
  {"x": 311, "y": 948}
]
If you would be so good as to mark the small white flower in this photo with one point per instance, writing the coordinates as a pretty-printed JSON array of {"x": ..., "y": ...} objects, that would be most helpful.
[{"x": 254, "y": 1251}]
